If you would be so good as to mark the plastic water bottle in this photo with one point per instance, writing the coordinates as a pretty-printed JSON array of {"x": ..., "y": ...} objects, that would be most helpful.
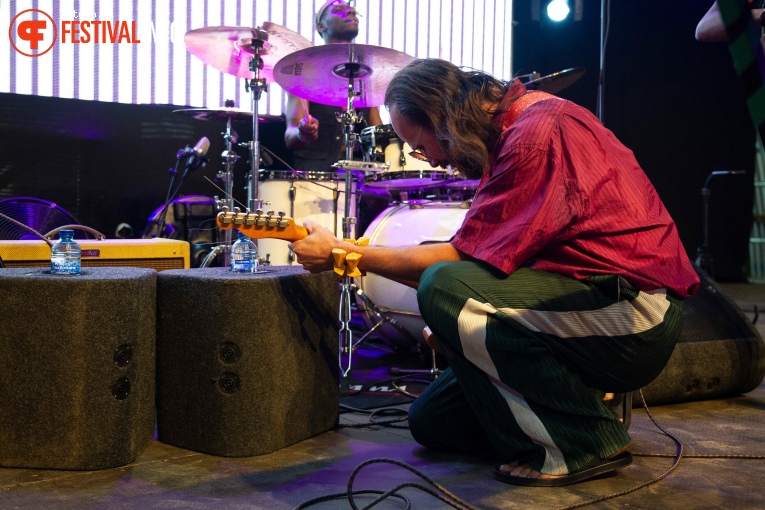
[
  {"x": 244, "y": 255},
  {"x": 65, "y": 254}
]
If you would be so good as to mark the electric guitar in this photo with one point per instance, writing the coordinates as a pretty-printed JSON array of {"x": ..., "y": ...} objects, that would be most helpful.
[{"x": 259, "y": 225}]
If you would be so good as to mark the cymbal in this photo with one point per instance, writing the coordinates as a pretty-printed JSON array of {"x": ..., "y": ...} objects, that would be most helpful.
[
  {"x": 321, "y": 73},
  {"x": 228, "y": 49},
  {"x": 554, "y": 83},
  {"x": 224, "y": 113}
]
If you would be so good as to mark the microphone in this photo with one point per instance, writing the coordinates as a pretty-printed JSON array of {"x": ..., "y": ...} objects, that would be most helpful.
[{"x": 197, "y": 155}]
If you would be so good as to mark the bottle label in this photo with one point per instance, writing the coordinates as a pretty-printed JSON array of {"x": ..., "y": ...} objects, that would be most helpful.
[
  {"x": 64, "y": 266},
  {"x": 242, "y": 265}
]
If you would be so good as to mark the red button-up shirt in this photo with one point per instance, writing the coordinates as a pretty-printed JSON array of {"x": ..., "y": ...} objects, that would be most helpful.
[{"x": 562, "y": 194}]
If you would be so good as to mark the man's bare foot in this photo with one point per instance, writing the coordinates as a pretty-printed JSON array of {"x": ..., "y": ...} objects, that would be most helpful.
[{"x": 516, "y": 468}]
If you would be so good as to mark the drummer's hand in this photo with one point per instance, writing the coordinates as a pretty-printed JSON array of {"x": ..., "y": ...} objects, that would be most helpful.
[
  {"x": 308, "y": 130},
  {"x": 314, "y": 252}
]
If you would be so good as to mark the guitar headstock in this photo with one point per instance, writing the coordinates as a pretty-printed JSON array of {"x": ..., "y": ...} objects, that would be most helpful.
[{"x": 260, "y": 225}]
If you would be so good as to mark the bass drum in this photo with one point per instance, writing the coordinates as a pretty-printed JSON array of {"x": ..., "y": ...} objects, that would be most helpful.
[
  {"x": 317, "y": 196},
  {"x": 404, "y": 225}
]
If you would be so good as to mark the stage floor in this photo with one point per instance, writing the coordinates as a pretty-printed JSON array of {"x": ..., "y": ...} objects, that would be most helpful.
[{"x": 716, "y": 436}]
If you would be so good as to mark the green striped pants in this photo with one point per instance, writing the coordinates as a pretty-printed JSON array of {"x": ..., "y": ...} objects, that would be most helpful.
[{"x": 531, "y": 356}]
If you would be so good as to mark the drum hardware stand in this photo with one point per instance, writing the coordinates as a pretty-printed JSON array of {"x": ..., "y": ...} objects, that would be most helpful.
[
  {"x": 379, "y": 312},
  {"x": 433, "y": 371},
  {"x": 256, "y": 86},
  {"x": 348, "y": 118}
]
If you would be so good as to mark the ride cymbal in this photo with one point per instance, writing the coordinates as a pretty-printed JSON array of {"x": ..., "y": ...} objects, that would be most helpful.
[
  {"x": 554, "y": 83},
  {"x": 229, "y": 49},
  {"x": 321, "y": 74},
  {"x": 225, "y": 113}
]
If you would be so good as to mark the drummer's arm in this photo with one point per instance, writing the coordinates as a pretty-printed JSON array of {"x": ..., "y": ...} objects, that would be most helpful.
[
  {"x": 295, "y": 137},
  {"x": 374, "y": 116}
]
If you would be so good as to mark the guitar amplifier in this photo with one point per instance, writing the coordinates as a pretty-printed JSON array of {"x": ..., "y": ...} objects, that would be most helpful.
[{"x": 157, "y": 254}]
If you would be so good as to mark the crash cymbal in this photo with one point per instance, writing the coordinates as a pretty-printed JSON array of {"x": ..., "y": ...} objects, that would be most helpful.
[
  {"x": 229, "y": 49},
  {"x": 321, "y": 73},
  {"x": 554, "y": 83},
  {"x": 224, "y": 113}
]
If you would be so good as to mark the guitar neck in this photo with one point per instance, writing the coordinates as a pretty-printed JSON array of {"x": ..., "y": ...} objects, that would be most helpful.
[{"x": 261, "y": 226}]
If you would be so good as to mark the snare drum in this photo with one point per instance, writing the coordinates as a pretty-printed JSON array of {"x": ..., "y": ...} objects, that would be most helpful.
[
  {"x": 406, "y": 225},
  {"x": 459, "y": 189},
  {"x": 406, "y": 180},
  {"x": 381, "y": 144},
  {"x": 317, "y": 196}
]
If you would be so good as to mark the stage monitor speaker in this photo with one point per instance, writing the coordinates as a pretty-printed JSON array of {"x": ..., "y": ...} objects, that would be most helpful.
[
  {"x": 158, "y": 254},
  {"x": 247, "y": 363},
  {"x": 720, "y": 353},
  {"x": 77, "y": 367}
]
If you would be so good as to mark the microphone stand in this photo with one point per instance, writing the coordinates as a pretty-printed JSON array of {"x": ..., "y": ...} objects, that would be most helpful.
[
  {"x": 230, "y": 157},
  {"x": 605, "y": 21},
  {"x": 703, "y": 257}
]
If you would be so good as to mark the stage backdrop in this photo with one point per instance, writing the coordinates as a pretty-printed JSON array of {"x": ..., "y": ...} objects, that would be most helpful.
[{"x": 159, "y": 69}]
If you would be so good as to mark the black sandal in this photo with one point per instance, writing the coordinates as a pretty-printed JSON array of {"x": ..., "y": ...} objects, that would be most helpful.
[{"x": 592, "y": 469}]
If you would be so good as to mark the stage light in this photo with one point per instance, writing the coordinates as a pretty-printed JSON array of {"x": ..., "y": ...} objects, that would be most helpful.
[{"x": 558, "y": 10}]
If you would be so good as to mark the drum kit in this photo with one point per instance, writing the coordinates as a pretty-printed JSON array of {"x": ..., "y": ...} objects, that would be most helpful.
[{"x": 347, "y": 76}]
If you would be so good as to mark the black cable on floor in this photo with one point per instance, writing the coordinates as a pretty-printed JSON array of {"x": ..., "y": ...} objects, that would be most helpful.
[
  {"x": 344, "y": 495},
  {"x": 440, "y": 492}
]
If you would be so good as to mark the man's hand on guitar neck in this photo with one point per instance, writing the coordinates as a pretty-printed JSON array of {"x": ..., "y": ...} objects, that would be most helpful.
[{"x": 314, "y": 252}]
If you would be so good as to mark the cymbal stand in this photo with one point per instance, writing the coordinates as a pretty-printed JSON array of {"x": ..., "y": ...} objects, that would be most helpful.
[
  {"x": 348, "y": 118},
  {"x": 256, "y": 86}
]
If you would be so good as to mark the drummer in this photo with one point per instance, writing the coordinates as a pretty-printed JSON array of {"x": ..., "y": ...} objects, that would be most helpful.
[{"x": 317, "y": 137}]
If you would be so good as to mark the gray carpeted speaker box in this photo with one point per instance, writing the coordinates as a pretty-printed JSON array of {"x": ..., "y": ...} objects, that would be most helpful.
[
  {"x": 246, "y": 363},
  {"x": 77, "y": 367},
  {"x": 719, "y": 354}
]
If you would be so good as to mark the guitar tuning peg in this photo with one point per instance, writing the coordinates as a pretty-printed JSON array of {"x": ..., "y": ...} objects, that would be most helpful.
[
  {"x": 237, "y": 210},
  {"x": 270, "y": 212},
  {"x": 224, "y": 208},
  {"x": 258, "y": 211},
  {"x": 281, "y": 214}
]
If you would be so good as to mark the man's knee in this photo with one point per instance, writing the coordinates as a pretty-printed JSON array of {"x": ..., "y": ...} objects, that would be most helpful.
[{"x": 433, "y": 281}]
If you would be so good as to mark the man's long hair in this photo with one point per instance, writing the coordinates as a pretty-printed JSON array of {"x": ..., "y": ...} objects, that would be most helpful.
[{"x": 452, "y": 103}]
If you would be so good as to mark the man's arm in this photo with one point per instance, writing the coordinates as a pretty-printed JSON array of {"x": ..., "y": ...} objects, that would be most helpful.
[
  {"x": 711, "y": 28},
  {"x": 299, "y": 133},
  {"x": 403, "y": 264}
]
